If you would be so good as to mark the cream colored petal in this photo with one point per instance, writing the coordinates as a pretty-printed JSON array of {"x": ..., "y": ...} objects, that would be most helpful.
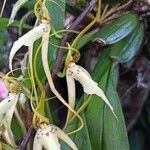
[
  {"x": 71, "y": 94},
  {"x": 7, "y": 107},
  {"x": 46, "y": 138},
  {"x": 65, "y": 138},
  {"x": 27, "y": 40},
  {"x": 23, "y": 63},
  {"x": 36, "y": 144},
  {"x": 7, "y": 137},
  {"x": 9, "y": 116},
  {"x": 22, "y": 100}
]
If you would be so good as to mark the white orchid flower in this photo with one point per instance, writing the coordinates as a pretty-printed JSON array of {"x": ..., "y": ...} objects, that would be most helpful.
[
  {"x": 47, "y": 137},
  {"x": 7, "y": 108},
  {"x": 28, "y": 39},
  {"x": 89, "y": 85}
]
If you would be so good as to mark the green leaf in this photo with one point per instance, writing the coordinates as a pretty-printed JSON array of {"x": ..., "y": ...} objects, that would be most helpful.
[
  {"x": 102, "y": 131},
  {"x": 132, "y": 42},
  {"x": 113, "y": 32},
  {"x": 57, "y": 11},
  {"x": 4, "y": 24},
  {"x": 16, "y": 128}
]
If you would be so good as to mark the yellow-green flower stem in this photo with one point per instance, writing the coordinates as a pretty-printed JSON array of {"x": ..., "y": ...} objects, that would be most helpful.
[
  {"x": 83, "y": 106},
  {"x": 41, "y": 117},
  {"x": 35, "y": 120},
  {"x": 89, "y": 26},
  {"x": 32, "y": 73},
  {"x": 41, "y": 104}
]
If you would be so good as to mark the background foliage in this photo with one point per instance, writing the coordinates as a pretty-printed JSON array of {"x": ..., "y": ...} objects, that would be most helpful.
[{"x": 122, "y": 71}]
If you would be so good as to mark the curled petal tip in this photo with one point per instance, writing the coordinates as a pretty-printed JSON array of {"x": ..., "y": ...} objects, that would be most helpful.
[{"x": 65, "y": 138}]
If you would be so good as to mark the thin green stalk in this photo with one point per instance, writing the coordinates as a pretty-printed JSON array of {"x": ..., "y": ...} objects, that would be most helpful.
[{"x": 89, "y": 26}]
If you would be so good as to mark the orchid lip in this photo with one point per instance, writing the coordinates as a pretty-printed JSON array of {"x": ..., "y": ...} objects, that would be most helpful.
[{"x": 47, "y": 136}]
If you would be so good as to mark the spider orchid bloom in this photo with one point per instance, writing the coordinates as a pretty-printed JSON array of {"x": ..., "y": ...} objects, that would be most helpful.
[
  {"x": 28, "y": 39},
  {"x": 89, "y": 86},
  {"x": 47, "y": 138},
  {"x": 3, "y": 90},
  {"x": 7, "y": 108}
]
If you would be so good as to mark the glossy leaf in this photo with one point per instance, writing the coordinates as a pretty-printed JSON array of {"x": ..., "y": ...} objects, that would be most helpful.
[
  {"x": 132, "y": 47},
  {"x": 113, "y": 32}
]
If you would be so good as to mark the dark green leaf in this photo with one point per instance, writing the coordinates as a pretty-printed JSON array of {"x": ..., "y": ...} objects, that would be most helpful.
[
  {"x": 113, "y": 32},
  {"x": 4, "y": 24},
  {"x": 132, "y": 42},
  {"x": 17, "y": 132}
]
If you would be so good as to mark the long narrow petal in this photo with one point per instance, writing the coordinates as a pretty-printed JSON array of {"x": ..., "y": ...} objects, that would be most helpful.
[
  {"x": 65, "y": 138},
  {"x": 71, "y": 95},
  {"x": 27, "y": 40}
]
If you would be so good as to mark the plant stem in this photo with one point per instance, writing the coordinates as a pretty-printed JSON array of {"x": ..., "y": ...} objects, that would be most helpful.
[{"x": 78, "y": 20}]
